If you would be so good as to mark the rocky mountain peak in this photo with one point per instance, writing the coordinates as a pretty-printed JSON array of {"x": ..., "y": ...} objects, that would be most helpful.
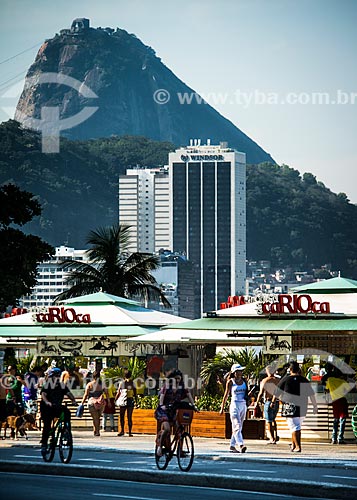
[{"x": 125, "y": 75}]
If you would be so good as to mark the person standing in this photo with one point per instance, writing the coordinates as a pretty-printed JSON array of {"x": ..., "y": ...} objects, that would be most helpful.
[
  {"x": 338, "y": 388},
  {"x": 3, "y": 413},
  {"x": 14, "y": 383},
  {"x": 30, "y": 390},
  {"x": 94, "y": 392},
  {"x": 294, "y": 390},
  {"x": 109, "y": 409},
  {"x": 126, "y": 397},
  {"x": 267, "y": 390},
  {"x": 237, "y": 387}
]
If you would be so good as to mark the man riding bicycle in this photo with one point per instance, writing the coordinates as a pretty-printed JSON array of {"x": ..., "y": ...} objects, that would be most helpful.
[
  {"x": 171, "y": 398},
  {"x": 52, "y": 394}
]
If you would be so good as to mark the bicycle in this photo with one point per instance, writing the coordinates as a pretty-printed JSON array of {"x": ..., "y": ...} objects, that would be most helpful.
[
  {"x": 181, "y": 444},
  {"x": 60, "y": 433}
]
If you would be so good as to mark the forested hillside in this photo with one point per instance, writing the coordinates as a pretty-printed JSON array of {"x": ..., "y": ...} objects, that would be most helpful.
[{"x": 291, "y": 219}]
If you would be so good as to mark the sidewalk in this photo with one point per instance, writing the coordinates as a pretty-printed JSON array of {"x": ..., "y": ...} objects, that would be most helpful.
[
  {"x": 212, "y": 448},
  {"x": 258, "y": 451}
]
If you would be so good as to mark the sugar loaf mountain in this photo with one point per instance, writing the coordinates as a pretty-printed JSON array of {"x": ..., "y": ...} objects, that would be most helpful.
[{"x": 291, "y": 219}]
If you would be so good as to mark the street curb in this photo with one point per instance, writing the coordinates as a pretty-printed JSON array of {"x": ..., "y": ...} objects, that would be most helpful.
[
  {"x": 247, "y": 483},
  {"x": 219, "y": 457}
]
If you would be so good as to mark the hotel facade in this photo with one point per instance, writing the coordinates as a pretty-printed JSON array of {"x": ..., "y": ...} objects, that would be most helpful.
[{"x": 208, "y": 218}]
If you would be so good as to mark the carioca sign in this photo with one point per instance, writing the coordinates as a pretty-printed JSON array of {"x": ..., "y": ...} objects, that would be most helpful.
[
  {"x": 295, "y": 304},
  {"x": 62, "y": 315}
]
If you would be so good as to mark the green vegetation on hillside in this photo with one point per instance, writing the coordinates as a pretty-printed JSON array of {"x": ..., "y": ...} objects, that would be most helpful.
[{"x": 291, "y": 219}]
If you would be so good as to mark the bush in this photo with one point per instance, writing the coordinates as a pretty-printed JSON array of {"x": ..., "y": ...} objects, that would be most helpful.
[
  {"x": 147, "y": 402},
  {"x": 208, "y": 402}
]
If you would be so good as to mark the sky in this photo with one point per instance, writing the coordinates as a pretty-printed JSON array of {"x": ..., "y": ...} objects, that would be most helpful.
[{"x": 282, "y": 71}]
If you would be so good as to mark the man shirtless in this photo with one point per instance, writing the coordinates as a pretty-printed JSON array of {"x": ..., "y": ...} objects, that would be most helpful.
[{"x": 267, "y": 390}]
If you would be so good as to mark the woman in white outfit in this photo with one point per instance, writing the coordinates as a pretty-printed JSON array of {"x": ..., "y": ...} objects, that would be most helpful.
[{"x": 237, "y": 388}]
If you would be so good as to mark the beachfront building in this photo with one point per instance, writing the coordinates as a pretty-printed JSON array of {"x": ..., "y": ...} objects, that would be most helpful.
[
  {"x": 144, "y": 206},
  {"x": 50, "y": 279},
  {"x": 208, "y": 218}
]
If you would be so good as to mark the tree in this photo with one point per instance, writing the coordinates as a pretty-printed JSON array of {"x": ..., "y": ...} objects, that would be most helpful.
[
  {"x": 113, "y": 270},
  {"x": 20, "y": 253},
  {"x": 213, "y": 370}
]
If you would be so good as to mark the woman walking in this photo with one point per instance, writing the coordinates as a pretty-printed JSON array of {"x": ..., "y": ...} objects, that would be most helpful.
[
  {"x": 294, "y": 391},
  {"x": 237, "y": 387},
  {"x": 126, "y": 398},
  {"x": 94, "y": 392}
]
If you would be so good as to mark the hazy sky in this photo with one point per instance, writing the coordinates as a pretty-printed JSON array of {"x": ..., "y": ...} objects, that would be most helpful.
[{"x": 262, "y": 63}]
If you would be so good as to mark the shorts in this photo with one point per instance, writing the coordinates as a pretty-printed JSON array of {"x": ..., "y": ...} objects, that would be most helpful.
[
  {"x": 270, "y": 412},
  {"x": 340, "y": 408},
  {"x": 295, "y": 423}
]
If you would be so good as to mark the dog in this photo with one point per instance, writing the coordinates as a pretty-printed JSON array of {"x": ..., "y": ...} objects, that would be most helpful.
[{"x": 19, "y": 425}]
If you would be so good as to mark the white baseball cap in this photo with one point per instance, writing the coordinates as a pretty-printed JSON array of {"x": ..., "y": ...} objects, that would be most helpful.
[{"x": 237, "y": 367}]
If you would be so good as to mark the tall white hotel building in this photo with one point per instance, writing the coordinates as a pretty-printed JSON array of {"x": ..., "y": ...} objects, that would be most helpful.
[
  {"x": 199, "y": 209},
  {"x": 144, "y": 206}
]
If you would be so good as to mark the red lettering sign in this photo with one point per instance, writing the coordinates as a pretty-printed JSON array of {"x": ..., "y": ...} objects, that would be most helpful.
[
  {"x": 295, "y": 304},
  {"x": 62, "y": 315},
  {"x": 233, "y": 301}
]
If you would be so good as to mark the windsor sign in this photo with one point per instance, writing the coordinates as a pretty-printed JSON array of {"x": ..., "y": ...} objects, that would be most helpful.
[
  {"x": 61, "y": 315},
  {"x": 295, "y": 304}
]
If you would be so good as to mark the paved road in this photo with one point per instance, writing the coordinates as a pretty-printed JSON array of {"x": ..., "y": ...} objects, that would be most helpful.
[
  {"x": 233, "y": 465},
  {"x": 322, "y": 470},
  {"x": 19, "y": 486}
]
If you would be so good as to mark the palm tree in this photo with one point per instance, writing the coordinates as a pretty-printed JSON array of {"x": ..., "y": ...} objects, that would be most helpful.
[
  {"x": 113, "y": 269},
  {"x": 214, "y": 369}
]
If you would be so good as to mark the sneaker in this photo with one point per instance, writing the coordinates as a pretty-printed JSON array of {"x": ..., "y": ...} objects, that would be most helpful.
[
  {"x": 233, "y": 449},
  {"x": 112, "y": 429},
  {"x": 334, "y": 441},
  {"x": 121, "y": 433},
  {"x": 341, "y": 441},
  {"x": 243, "y": 449},
  {"x": 131, "y": 435}
]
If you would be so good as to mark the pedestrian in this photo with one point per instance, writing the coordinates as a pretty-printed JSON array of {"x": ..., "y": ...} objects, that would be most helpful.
[
  {"x": 294, "y": 390},
  {"x": 3, "y": 413},
  {"x": 338, "y": 387},
  {"x": 267, "y": 391},
  {"x": 237, "y": 388},
  {"x": 109, "y": 409},
  {"x": 125, "y": 398},
  {"x": 14, "y": 383},
  {"x": 30, "y": 390},
  {"x": 94, "y": 392}
]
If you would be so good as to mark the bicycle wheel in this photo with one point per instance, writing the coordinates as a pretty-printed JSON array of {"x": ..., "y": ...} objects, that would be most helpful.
[
  {"x": 185, "y": 452},
  {"x": 162, "y": 460},
  {"x": 65, "y": 445},
  {"x": 49, "y": 452}
]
